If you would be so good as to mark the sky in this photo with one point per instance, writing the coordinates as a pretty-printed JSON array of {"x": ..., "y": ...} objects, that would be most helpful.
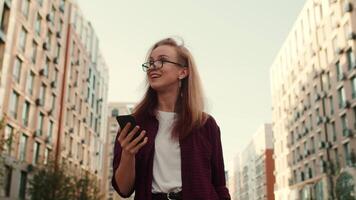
[{"x": 234, "y": 43}]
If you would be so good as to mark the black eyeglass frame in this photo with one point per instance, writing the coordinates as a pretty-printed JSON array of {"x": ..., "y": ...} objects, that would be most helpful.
[{"x": 158, "y": 64}]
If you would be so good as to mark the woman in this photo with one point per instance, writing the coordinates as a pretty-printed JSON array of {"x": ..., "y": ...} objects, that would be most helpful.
[{"x": 178, "y": 154}]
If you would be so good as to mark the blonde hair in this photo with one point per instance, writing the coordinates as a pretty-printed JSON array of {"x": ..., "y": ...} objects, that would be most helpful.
[{"x": 190, "y": 102}]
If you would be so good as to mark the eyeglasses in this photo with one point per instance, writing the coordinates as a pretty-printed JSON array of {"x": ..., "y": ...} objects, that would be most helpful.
[{"x": 157, "y": 64}]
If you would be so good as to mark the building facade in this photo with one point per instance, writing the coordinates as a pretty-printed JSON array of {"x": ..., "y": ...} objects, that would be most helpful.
[
  {"x": 313, "y": 83},
  {"x": 35, "y": 74},
  {"x": 253, "y": 168},
  {"x": 114, "y": 110}
]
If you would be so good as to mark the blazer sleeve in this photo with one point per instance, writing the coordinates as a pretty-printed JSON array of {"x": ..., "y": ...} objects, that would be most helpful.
[
  {"x": 115, "y": 165},
  {"x": 217, "y": 162}
]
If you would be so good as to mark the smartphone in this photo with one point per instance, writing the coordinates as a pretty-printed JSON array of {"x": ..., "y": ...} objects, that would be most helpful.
[{"x": 124, "y": 119}]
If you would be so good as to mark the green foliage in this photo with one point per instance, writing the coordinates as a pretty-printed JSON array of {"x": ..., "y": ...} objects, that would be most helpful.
[{"x": 57, "y": 183}]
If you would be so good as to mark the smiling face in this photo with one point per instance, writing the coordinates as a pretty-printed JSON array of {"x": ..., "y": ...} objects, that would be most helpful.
[{"x": 167, "y": 77}]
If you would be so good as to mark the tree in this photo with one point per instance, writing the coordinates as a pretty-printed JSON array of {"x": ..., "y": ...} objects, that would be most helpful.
[
  {"x": 51, "y": 182},
  {"x": 58, "y": 183}
]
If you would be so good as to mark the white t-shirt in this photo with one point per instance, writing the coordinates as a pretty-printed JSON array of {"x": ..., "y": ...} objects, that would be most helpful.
[{"x": 167, "y": 157}]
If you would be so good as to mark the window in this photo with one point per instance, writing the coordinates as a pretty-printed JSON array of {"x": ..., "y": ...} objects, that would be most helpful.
[
  {"x": 347, "y": 154},
  {"x": 353, "y": 86},
  {"x": 46, "y": 155},
  {"x": 38, "y": 24},
  {"x": 335, "y": 45},
  {"x": 46, "y": 67},
  {"x": 337, "y": 161},
  {"x": 342, "y": 97},
  {"x": 40, "y": 124},
  {"x": 8, "y": 176},
  {"x": 333, "y": 129},
  {"x": 23, "y": 147},
  {"x": 43, "y": 93},
  {"x": 36, "y": 153},
  {"x": 34, "y": 52},
  {"x": 344, "y": 122},
  {"x": 50, "y": 130},
  {"x": 25, "y": 113},
  {"x": 53, "y": 102},
  {"x": 23, "y": 182},
  {"x": 22, "y": 39},
  {"x": 40, "y": 2},
  {"x": 30, "y": 83},
  {"x": 339, "y": 71},
  {"x": 16, "y": 73},
  {"x": 9, "y": 132},
  {"x": 331, "y": 101},
  {"x": 14, "y": 104},
  {"x": 350, "y": 59},
  {"x": 4, "y": 21},
  {"x": 25, "y": 7}
]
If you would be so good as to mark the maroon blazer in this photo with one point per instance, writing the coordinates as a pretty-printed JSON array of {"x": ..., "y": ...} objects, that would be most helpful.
[{"x": 202, "y": 163}]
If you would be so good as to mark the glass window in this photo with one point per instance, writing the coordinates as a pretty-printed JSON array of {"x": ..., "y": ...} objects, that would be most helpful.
[
  {"x": 8, "y": 177},
  {"x": 9, "y": 131},
  {"x": 14, "y": 104},
  {"x": 36, "y": 153},
  {"x": 353, "y": 86},
  {"x": 38, "y": 24},
  {"x": 30, "y": 83},
  {"x": 23, "y": 182},
  {"x": 25, "y": 7},
  {"x": 23, "y": 147},
  {"x": 43, "y": 93},
  {"x": 34, "y": 52},
  {"x": 331, "y": 101},
  {"x": 350, "y": 59},
  {"x": 342, "y": 97},
  {"x": 50, "y": 130},
  {"x": 22, "y": 39},
  {"x": 25, "y": 113},
  {"x": 40, "y": 124},
  {"x": 344, "y": 122},
  {"x": 17, "y": 69},
  {"x": 347, "y": 154}
]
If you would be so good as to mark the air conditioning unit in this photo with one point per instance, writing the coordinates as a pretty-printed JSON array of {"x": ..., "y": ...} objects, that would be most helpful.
[
  {"x": 339, "y": 50},
  {"x": 83, "y": 141},
  {"x": 47, "y": 140},
  {"x": 38, "y": 102},
  {"x": 84, "y": 120},
  {"x": 348, "y": 7},
  {"x": 81, "y": 162},
  {"x": 325, "y": 120},
  {"x": 58, "y": 34},
  {"x": 53, "y": 84},
  {"x": 316, "y": 97},
  {"x": 56, "y": 60},
  {"x": 319, "y": 120},
  {"x": 50, "y": 17},
  {"x": 49, "y": 112},
  {"x": 45, "y": 46},
  {"x": 322, "y": 145},
  {"x": 97, "y": 153},
  {"x": 42, "y": 72},
  {"x": 346, "y": 104},
  {"x": 71, "y": 130},
  {"x": 341, "y": 76},
  {"x": 72, "y": 107},
  {"x": 347, "y": 133},
  {"x": 351, "y": 36}
]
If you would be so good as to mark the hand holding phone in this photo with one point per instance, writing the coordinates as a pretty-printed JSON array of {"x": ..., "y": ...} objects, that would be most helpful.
[{"x": 123, "y": 121}]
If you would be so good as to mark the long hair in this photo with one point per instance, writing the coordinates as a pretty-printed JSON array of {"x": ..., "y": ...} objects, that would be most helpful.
[{"x": 190, "y": 102}]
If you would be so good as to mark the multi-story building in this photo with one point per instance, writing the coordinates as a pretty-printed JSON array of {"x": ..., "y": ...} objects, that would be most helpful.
[
  {"x": 254, "y": 166},
  {"x": 84, "y": 101},
  {"x": 313, "y": 83},
  {"x": 41, "y": 54},
  {"x": 32, "y": 34},
  {"x": 114, "y": 110}
]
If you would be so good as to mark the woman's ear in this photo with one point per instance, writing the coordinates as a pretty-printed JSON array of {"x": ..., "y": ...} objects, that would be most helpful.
[{"x": 183, "y": 73}]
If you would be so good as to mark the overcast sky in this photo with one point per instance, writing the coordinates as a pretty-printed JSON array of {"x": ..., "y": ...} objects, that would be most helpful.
[{"x": 234, "y": 43}]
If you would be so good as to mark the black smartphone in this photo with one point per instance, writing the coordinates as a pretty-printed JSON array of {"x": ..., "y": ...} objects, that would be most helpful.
[{"x": 124, "y": 119}]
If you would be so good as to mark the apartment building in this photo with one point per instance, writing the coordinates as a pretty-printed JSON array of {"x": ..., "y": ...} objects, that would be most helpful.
[
  {"x": 114, "y": 110},
  {"x": 313, "y": 83},
  {"x": 53, "y": 89},
  {"x": 254, "y": 166}
]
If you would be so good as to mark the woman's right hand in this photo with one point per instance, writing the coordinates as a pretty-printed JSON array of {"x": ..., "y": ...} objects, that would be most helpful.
[{"x": 130, "y": 148}]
